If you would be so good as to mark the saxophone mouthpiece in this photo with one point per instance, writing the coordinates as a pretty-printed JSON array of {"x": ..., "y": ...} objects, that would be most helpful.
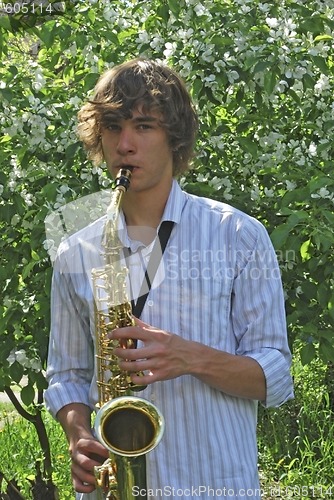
[{"x": 122, "y": 180}]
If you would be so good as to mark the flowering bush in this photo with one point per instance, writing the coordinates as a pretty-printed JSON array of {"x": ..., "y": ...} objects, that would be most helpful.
[{"x": 262, "y": 76}]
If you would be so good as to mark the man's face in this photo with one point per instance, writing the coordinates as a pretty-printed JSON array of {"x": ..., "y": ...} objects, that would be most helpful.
[{"x": 142, "y": 143}]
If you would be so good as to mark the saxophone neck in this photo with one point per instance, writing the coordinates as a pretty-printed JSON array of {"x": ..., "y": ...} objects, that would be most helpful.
[{"x": 120, "y": 186}]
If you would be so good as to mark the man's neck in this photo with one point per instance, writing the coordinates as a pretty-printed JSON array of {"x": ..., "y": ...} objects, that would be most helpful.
[
  {"x": 143, "y": 214},
  {"x": 145, "y": 208}
]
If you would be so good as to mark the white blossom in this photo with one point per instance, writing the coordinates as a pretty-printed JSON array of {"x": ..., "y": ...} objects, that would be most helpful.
[
  {"x": 290, "y": 185},
  {"x": 322, "y": 85},
  {"x": 156, "y": 43},
  {"x": 64, "y": 189},
  {"x": 185, "y": 67},
  {"x": 268, "y": 192},
  {"x": 110, "y": 15},
  {"x": 12, "y": 185},
  {"x": 312, "y": 150},
  {"x": 7, "y": 301},
  {"x": 39, "y": 82},
  {"x": 219, "y": 65},
  {"x": 75, "y": 101},
  {"x": 170, "y": 49},
  {"x": 217, "y": 142},
  {"x": 272, "y": 22},
  {"x": 232, "y": 76},
  {"x": 143, "y": 37},
  {"x": 199, "y": 9},
  {"x": 202, "y": 178},
  {"x": 323, "y": 193},
  {"x": 72, "y": 49},
  {"x": 23, "y": 359},
  {"x": 15, "y": 219},
  {"x": 255, "y": 193}
]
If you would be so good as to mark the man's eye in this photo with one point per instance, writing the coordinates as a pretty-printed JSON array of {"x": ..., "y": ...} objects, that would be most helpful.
[
  {"x": 112, "y": 126},
  {"x": 144, "y": 126}
]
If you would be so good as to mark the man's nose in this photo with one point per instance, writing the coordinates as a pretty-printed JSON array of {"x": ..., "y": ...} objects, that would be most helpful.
[{"x": 126, "y": 142}]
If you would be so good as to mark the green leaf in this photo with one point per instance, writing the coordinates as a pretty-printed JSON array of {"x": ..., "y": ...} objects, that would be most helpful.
[
  {"x": 308, "y": 81},
  {"x": 328, "y": 125},
  {"x": 163, "y": 11},
  {"x": 312, "y": 23},
  {"x": 304, "y": 250},
  {"x": 48, "y": 34},
  {"x": 27, "y": 395},
  {"x": 317, "y": 183},
  {"x": 50, "y": 191},
  {"x": 6, "y": 137},
  {"x": 330, "y": 306},
  {"x": 221, "y": 41},
  {"x": 280, "y": 235},
  {"x": 38, "y": 379},
  {"x": 326, "y": 334},
  {"x": 5, "y": 23},
  {"x": 326, "y": 351},
  {"x": 321, "y": 63},
  {"x": 197, "y": 87},
  {"x": 72, "y": 149},
  {"x": 35, "y": 255},
  {"x": 324, "y": 295},
  {"x": 174, "y": 6},
  {"x": 90, "y": 80},
  {"x": 261, "y": 66},
  {"x": 307, "y": 353},
  {"x": 294, "y": 96},
  {"x": 248, "y": 145},
  {"x": 270, "y": 80},
  {"x": 27, "y": 269},
  {"x": 16, "y": 372},
  {"x": 310, "y": 290},
  {"x": 91, "y": 15},
  {"x": 322, "y": 38}
]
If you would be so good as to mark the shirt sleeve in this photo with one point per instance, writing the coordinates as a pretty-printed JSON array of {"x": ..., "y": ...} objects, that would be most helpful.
[
  {"x": 258, "y": 313},
  {"x": 70, "y": 364}
]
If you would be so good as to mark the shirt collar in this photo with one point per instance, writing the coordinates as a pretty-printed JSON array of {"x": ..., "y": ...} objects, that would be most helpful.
[{"x": 175, "y": 204}]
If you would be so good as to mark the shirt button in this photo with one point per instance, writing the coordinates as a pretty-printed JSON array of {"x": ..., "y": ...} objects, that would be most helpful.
[{"x": 150, "y": 303}]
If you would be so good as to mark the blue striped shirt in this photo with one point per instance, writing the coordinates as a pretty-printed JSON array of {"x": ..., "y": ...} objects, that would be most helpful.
[{"x": 219, "y": 284}]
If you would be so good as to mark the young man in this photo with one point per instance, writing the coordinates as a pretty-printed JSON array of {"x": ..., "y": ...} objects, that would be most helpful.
[{"x": 212, "y": 338}]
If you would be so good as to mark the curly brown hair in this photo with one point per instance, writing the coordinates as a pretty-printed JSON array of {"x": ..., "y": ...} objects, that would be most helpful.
[{"x": 149, "y": 85}]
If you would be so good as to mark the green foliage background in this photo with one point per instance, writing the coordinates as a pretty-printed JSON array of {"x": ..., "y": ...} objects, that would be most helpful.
[{"x": 262, "y": 76}]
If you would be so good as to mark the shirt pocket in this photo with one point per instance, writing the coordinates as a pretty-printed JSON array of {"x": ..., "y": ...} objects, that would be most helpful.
[{"x": 205, "y": 302}]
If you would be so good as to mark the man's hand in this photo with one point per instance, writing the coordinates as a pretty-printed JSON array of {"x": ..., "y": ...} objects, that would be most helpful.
[
  {"x": 86, "y": 452},
  {"x": 162, "y": 357}
]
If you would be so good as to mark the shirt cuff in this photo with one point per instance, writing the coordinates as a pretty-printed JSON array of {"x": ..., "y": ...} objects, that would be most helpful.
[
  {"x": 279, "y": 385},
  {"x": 60, "y": 394}
]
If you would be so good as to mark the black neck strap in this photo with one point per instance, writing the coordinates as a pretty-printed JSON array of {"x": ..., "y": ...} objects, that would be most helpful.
[{"x": 157, "y": 252}]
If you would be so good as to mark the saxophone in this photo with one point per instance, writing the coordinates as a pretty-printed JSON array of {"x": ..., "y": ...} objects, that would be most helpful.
[{"x": 127, "y": 425}]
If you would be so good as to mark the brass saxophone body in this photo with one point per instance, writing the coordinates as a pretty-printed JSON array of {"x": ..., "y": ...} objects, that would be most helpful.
[{"x": 128, "y": 426}]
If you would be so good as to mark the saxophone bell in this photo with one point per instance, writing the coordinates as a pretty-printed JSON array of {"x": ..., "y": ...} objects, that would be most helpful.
[{"x": 129, "y": 426}]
